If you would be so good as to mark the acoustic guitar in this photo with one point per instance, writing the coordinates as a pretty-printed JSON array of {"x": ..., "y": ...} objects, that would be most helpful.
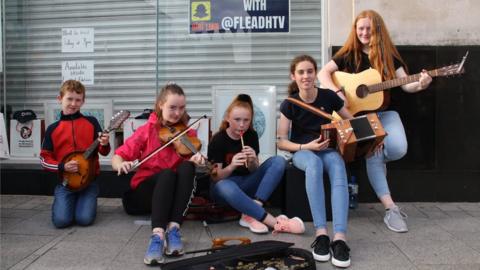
[
  {"x": 86, "y": 162},
  {"x": 364, "y": 90}
]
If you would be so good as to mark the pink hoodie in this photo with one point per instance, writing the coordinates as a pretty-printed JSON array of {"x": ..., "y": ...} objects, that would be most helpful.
[{"x": 144, "y": 141}]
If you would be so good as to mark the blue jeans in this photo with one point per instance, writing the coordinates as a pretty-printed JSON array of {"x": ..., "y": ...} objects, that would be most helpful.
[
  {"x": 313, "y": 164},
  {"x": 69, "y": 207},
  {"x": 238, "y": 191},
  {"x": 395, "y": 147}
]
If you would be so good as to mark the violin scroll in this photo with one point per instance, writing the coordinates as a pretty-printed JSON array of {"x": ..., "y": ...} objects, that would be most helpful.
[{"x": 220, "y": 242}]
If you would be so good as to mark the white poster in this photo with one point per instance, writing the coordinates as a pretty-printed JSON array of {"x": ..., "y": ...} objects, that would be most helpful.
[
  {"x": 264, "y": 119},
  {"x": 78, "y": 70},
  {"x": 77, "y": 40},
  {"x": 130, "y": 126},
  {"x": 4, "y": 153},
  {"x": 203, "y": 132},
  {"x": 25, "y": 138},
  {"x": 1, "y": 41}
]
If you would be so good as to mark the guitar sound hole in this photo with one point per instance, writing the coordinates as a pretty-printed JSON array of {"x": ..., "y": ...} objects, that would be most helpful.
[{"x": 362, "y": 91}]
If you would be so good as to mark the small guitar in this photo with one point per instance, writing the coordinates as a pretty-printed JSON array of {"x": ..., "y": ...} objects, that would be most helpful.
[
  {"x": 364, "y": 90},
  {"x": 86, "y": 165}
]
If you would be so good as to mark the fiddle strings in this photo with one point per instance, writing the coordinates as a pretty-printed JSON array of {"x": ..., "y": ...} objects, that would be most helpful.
[
  {"x": 243, "y": 146},
  {"x": 137, "y": 162}
]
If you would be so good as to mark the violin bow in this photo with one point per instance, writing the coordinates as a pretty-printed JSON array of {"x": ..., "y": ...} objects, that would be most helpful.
[
  {"x": 137, "y": 163},
  {"x": 310, "y": 108}
]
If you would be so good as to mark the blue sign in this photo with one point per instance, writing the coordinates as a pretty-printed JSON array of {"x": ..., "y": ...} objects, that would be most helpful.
[{"x": 220, "y": 16}]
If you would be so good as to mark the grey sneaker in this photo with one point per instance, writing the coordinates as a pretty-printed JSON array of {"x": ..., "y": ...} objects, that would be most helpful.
[{"x": 396, "y": 220}]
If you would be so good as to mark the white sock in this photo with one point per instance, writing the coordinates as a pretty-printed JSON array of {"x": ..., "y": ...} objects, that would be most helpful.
[
  {"x": 173, "y": 224},
  {"x": 158, "y": 231}
]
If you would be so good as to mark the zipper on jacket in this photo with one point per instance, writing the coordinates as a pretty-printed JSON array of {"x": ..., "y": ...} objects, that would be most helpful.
[{"x": 73, "y": 136}]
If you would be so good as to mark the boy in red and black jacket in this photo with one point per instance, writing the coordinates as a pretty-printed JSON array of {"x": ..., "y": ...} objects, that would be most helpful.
[{"x": 73, "y": 132}]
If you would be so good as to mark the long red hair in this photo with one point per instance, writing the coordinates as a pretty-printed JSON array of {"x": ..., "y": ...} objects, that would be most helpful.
[{"x": 381, "y": 59}]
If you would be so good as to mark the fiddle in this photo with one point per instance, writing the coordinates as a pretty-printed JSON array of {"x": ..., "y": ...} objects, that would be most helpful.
[
  {"x": 170, "y": 140},
  {"x": 219, "y": 243},
  {"x": 185, "y": 145}
]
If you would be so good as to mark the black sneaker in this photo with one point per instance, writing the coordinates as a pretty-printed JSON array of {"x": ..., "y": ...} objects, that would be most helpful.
[
  {"x": 321, "y": 248},
  {"x": 340, "y": 254}
]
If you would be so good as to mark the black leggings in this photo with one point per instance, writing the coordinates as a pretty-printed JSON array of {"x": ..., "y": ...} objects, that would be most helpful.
[{"x": 164, "y": 195}]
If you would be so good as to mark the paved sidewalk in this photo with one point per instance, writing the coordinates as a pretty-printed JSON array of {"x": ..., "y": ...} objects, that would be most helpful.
[{"x": 442, "y": 236}]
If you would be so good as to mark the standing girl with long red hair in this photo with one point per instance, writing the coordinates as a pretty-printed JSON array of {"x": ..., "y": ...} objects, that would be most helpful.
[{"x": 369, "y": 46}]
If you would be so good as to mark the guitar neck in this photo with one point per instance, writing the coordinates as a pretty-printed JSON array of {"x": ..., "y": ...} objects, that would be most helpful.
[
  {"x": 399, "y": 81},
  {"x": 93, "y": 147},
  {"x": 115, "y": 123}
]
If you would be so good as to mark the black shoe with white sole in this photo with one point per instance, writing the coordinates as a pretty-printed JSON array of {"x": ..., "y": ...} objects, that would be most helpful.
[
  {"x": 340, "y": 254},
  {"x": 321, "y": 248}
]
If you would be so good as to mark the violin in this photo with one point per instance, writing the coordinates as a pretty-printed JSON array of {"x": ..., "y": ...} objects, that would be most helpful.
[
  {"x": 185, "y": 145},
  {"x": 219, "y": 243},
  {"x": 176, "y": 136}
]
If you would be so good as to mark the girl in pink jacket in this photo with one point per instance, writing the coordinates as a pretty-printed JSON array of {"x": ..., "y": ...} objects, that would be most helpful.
[{"x": 163, "y": 185}]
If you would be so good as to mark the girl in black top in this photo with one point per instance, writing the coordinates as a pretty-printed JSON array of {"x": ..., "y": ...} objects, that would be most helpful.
[{"x": 240, "y": 180}]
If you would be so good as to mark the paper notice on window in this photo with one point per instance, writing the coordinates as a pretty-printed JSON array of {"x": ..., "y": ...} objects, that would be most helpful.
[
  {"x": 78, "y": 70},
  {"x": 4, "y": 152},
  {"x": 1, "y": 45},
  {"x": 77, "y": 40}
]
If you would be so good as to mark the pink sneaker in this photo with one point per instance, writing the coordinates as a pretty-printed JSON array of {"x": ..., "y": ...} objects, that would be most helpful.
[
  {"x": 253, "y": 224},
  {"x": 286, "y": 225}
]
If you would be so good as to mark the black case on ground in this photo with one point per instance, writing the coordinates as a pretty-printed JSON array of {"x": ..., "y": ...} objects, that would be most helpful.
[{"x": 257, "y": 255}]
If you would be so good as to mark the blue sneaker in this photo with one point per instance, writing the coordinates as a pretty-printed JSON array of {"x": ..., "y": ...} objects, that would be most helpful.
[
  {"x": 174, "y": 242},
  {"x": 154, "y": 253}
]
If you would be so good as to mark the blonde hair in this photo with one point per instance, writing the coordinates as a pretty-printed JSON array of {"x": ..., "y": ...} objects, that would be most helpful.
[
  {"x": 242, "y": 101},
  {"x": 169, "y": 88},
  {"x": 72, "y": 86},
  {"x": 382, "y": 51}
]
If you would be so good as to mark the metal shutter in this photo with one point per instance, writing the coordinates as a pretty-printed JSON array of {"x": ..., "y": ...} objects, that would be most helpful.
[{"x": 125, "y": 56}]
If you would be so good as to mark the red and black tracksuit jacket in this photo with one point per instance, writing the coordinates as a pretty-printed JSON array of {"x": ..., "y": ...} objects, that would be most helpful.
[{"x": 74, "y": 132}]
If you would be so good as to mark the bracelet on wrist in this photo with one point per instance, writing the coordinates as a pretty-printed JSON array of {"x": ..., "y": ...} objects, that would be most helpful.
[{"x": 300, "y": 147}]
